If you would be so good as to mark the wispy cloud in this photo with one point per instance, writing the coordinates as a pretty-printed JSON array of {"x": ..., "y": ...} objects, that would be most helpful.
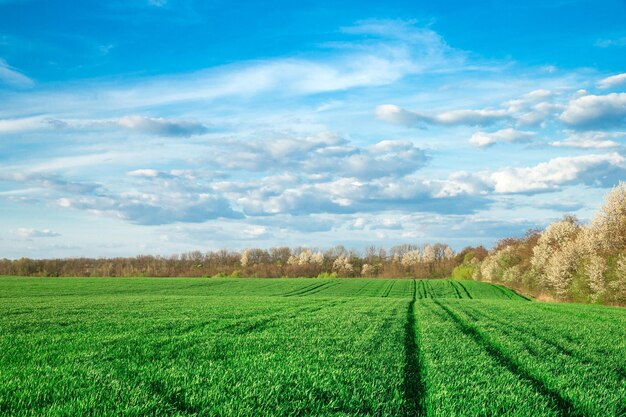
[
  {"x": 608, "y": 43},
  {"x": 31, "y": 233},
  {"x": 11, "y": 77},
  {"x": 343, "y": 66}
]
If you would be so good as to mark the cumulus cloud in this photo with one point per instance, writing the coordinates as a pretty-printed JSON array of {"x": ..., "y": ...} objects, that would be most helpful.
[
  {"x": 397, "y": 115},
  {"x": 483, "y": 117},
  {"x": 596, "y": 170},
  {"x": 163, "y": 200},
  {"x": 612, "y": 81},
  {"x": 162, "y": 127},
  {"x": 13, "y": 78},
  {"x": 529, "y": 99},
  {"x": 30, "y": 233},
  {"x": 592, "y": 111},
  {"x": 485, "y": 139},
  {"x": 387, "y": 158},
  {"x": 321, "y": 156},
  {"x": 350, "y": 195},
  {"x": 533, "y": 108},
  {"x": 590, "y": 140},
  {"x": 155, "y": 208}
]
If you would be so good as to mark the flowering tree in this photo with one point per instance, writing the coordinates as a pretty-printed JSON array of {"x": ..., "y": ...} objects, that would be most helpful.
[
  {"x": 610, "y": 222},
  {"x": 411, "y": 258},
  {"x": 342, "y": 266}
]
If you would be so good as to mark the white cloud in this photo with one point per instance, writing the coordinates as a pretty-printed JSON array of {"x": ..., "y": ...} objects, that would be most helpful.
[
  {"x": 387, "y": 158},
  {"x": 30, "y": 233},
  {"x": 528, "y": 99},
  {"x": 533, "y": 108},
  {"x": 13, "y": 78},
  {"x": 254, "y": 232},
  {"x": 394, "y": 114},
  {"x": 148, "y": 173},
  {"x": 590, "y": 140},
  {"x": 585, "y": 144},
  {"x": 153, "y": 207},
  {"x": 592, "y": 111},
  {"x": 596, "y": 169},
  {"x": 612, "y": 81},
  {"x": 481, "y": 117},
  {"x": 353, "y": 66},
  {"x": 27, "y": 124},
  {"x": 486, "y": 139},
  {"x": 50, "y": 181},
  {"x": 157, "y": 126},
  {"x": 162, "y": 127}
]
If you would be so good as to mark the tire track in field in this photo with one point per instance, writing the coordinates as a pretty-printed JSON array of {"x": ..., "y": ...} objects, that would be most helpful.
[
  {"x": 466, "y": 292},
  {"x": 421, "y": 292},
  {"x": 429, "y": 286},
  {"x": 388, "y": 290},
  {"x": 458, "y": 293},
  {"x": 413, "y": 385},
  {"x": 362, "y": 288},
  {"x": 308, "y": 289},
  {"x": 319, "y": 289},
  {"x": 499, "y": 288},
  {"x": 564, "y": 406},
  {"x": 288, "y": 293},
  {"x": 524, "y": 332},
  {"x": 424, "y": 289}
]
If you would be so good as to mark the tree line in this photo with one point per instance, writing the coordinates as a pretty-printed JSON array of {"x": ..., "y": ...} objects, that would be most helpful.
[
  {"x": 568, "y": 261},
  {"x": 426, "y": 261}
]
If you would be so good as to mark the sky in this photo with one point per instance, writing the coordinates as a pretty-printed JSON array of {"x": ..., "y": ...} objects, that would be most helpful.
[{"x": 163, "y": 126}]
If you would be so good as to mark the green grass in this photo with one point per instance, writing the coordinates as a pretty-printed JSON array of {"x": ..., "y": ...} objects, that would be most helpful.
[{"x": 296, "y": 347}]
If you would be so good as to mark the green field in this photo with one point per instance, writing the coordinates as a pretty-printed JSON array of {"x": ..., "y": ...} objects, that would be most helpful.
[{"x": 296, "y": 347}]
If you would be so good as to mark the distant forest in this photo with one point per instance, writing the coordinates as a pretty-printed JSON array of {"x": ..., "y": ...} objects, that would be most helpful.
[{"x": 568, "y": 261}]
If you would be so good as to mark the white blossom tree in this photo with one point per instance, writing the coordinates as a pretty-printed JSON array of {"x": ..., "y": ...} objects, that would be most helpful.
[{"x": 343, "y": 266}]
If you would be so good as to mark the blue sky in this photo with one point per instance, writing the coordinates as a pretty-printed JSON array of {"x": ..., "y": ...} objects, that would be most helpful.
[{"x": 163, "y": 126}]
